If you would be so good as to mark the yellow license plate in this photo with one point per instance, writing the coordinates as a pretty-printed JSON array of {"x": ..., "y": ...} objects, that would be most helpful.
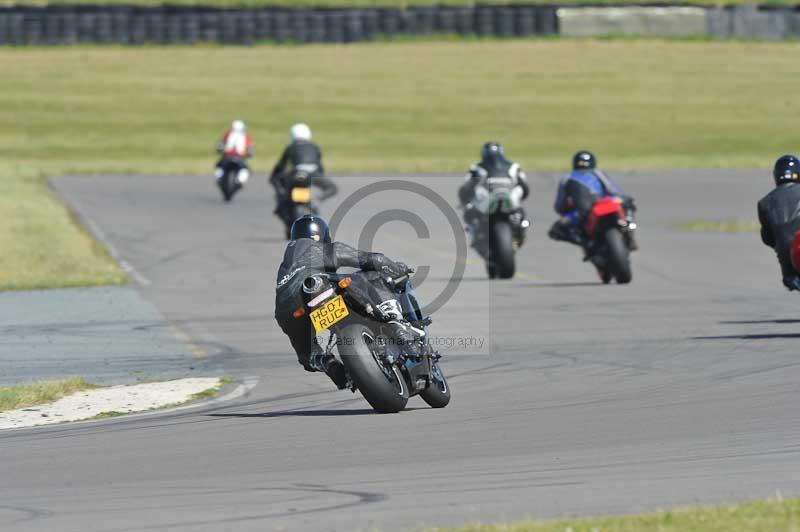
[
  {"x": 301, "y": 195},
  {"x": 329, "y": 313}
]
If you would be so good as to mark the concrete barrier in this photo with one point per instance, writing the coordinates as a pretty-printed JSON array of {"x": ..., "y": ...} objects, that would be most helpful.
[{"x": 633, "y": 20}]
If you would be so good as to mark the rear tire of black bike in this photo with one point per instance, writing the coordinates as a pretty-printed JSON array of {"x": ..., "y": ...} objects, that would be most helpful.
[{"x": 383, "y": 387}]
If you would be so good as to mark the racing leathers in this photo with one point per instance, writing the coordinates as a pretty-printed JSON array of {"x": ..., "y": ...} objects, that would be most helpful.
[
  {"x": 305, "y": 257},
  {"x": 577, "y": 193},
  {"x": 479, "y": 173},
  {"x": 779, "y": 214},
  {"x": 299, "y": 156}
]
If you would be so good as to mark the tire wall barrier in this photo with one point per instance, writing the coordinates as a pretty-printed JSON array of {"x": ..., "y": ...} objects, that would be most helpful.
[
  {"x": 132, "y": 25},
  {"x": 120, "y": 24}
]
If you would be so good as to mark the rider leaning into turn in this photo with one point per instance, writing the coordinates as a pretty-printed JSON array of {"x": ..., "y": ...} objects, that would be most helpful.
[
  {"x": 309, "y": 252},
  {"x": 578, "y": 192},
  {"x": 301, "y": 155},
  {"x": 493, "y": 163},
  {"x": 779, "y": 214}
]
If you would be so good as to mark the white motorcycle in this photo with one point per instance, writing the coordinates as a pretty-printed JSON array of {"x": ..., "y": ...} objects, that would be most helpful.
[{"x": 499, "y": 227}]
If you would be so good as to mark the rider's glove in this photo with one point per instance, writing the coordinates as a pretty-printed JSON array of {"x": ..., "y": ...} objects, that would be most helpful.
[
  {"x": 404, "y": 267},
  {"x": 395, "y": 269}
]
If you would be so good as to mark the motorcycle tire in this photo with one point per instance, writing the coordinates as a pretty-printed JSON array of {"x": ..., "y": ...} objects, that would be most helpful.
[
  {"x": 619, "y": 263},
  {"x": 437, "y": 394},
  {"x": 229, "y": 186},
  {"x": 382, "y": 386},
  {"x": 502, "y": 250}
]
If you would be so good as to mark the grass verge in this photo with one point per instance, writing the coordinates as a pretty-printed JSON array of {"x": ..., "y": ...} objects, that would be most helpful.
[
  {"x": 37, "y": 393},
  {"x": 382, "y": 107},
  {"x": 731, "y": 225},
  {"x": 772, "y": 515}
]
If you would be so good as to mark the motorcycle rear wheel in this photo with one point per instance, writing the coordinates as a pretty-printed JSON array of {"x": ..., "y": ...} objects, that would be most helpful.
[
  {"x": 502, "y": 249},
  {"x": 382, "y": 386},
  {"x": 230, "y": 185},
  {"x": 619, "y": 262}
]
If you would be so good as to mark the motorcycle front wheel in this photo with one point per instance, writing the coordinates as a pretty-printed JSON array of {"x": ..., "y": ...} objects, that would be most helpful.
[{"x": 437, "y": 394}]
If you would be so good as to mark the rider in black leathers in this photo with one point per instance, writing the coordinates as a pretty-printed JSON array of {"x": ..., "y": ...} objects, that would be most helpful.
[
  {"x": 310, "y": 252},
  {"x": 779, "y": 214},
  {"x": 301, "y": 155}
]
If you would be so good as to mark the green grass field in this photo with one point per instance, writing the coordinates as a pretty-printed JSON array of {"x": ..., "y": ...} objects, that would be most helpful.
[
  {"x": 731, "y": 225},
  {"x": 413, "y": 107},
  {"x": 773, "y": 515}
]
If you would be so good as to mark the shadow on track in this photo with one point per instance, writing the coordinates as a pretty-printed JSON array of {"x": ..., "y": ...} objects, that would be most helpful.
[
  {"x": 309, "y": 413},
  {"x": 561, "y": 285},
  {"x": 757, "y": 322},
  {"x": 765, "y": 336}
]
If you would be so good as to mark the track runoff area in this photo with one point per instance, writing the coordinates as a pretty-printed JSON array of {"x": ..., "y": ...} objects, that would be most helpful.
[{"x": 569, "y": 396}]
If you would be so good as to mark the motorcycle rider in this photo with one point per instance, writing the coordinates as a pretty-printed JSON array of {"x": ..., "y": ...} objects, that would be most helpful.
[
  {"x": 578, "y": 192},
  {"x": 311, "y": 251},
  {"x": 493, "y": 163},
  {"x": 779, "y": 214},
  {"x": 235, "y": 144},
  {"x": 304, "y": 156}
]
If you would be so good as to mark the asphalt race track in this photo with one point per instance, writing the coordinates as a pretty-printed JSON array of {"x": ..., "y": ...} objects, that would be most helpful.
[{"x": 680, "y": 388}]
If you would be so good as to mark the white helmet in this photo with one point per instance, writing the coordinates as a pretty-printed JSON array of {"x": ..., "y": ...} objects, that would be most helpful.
[
  {"x": 238, "y": 126},
  {"x": 300, "y": 132}
]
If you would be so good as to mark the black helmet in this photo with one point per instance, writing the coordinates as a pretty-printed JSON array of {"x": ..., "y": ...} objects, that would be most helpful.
[
  {"x": 787, "y": 169},
  {"x": 583, "y": 160},
  {"x": 310, "y": 226},
  {"x": 491, "y": 150}
]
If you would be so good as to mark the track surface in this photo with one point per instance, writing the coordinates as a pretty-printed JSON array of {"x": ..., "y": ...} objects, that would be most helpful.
[{"x": 677, "y": 389}]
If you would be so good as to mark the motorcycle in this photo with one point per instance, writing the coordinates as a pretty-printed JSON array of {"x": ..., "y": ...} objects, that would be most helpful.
[
  {"x": 500, "y": 227},
  {"x": 385, "y": 372},
  {"x": 231, "y": 176},
  {"x": 297, "y": 200},
  {"x": 609, "y": 228}
]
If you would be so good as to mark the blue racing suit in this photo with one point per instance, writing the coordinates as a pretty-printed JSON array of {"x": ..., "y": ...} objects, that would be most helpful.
[{"x": 577, "y": 193}]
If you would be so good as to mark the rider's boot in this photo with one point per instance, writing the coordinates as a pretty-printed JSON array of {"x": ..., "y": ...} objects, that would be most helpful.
[
  {"x": 328, "y": 364},
  {"x": 405, "y": 333}
]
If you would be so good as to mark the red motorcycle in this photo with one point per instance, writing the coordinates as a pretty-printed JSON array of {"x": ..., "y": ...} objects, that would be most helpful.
[{"x": 609, "y": 228}]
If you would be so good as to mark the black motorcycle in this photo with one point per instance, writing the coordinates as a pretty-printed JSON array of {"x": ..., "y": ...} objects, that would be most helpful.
[
  {"x": 498, "y": 225},
  {"x": 229, "y": 176},
  {"x": 386, "y": 372},
  {"x": 296, "y": 198}
]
